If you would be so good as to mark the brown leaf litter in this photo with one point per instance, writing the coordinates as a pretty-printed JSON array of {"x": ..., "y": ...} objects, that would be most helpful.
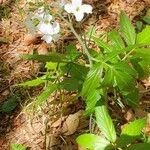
[{"x": 44, "y": 131}]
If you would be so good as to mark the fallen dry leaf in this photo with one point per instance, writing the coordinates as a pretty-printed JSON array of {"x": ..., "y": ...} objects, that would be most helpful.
[{"x": 71, "y": 124}]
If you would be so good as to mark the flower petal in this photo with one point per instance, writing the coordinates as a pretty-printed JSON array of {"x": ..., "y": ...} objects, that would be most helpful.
[
  {"x": 47, "y": 17},
  {"x": 76, "y": 3},
  {"x": 45, "y": 28},
  {"x": 47, "y": 38},
  {"x": 86, "y": 8},
  {"x": 56, "y": 28},
  {"x": 79, "y": 16},
  {"x": 68, "y": 8}
]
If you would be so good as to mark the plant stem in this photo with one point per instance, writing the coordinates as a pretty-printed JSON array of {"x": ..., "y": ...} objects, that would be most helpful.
[
  {"x": 85, "y": 50},
  {"x": 126, "y": 56}
]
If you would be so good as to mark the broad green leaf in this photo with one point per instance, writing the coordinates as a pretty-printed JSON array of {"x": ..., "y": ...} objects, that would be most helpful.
[
  {"x": 9, "y": 105},
  {"x": 140, "y": 146},
  {"x": 45, "y": 94},
  {"x": 52, "y": 57},
  {"x": 93, "y": 142},
  {"x": 131, "y": 99},
  {"x": 107, "y": 48},
  {"x": 32, "y": 83},
  {"x": 142, "y": 70},
  {"x": 143, "y": 53},
  {"x": 91, "y": 101},
  {"x": 134, "y": 128},
  {"x": 75, "y": 70},
  {"x": 144, "y": 36},
  {"x": 127, "y": 29},
  {"x": 105, "y": 123},
  {"x": 92, "y": 81},
  {"x": 116, "y": 40},
  {"x": 146, "y": 19},
  {"x": 71, "y": 84},
  {"x": 116, "y": 53},
  {"x": 72, "y": 52},
  {"x": 51, "y": 65},
  {"x": 131, "y": 131},
  {"x": 108, "y": 79},
  {"x": 17, "y": 147},
  {"x": 121, "y": 75}
]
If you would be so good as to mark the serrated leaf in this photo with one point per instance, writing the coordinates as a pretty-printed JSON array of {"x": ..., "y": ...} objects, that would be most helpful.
[
  {"x": 92, "y": 81},
  {"x": 9, "y": 105},
  {"x": 116, "y": 40},
  {"x": 127, "y": 29},
  {"x": 32, "y": 83},
  {"x": 107, "y": 48},
  {"x": 71, "y": 84},
  {"x": 52, "y": 57},
  {"x": 140, "y": 146},
  {"x": 108, "y": 79},
  {"x": 143, "y": 53},
  {"x": 132, "y": 99},
  {"x": 105, "y": 123},
  {"x": 72, "y": 52},
  {"x": 75, "y": 70},
  {"x": 144, "y": 36},
  {"x": 45, "y": 94},
  {"x": 93, "y": 142},
  {"x": 17, "y": 147},
  {"x": 131, "y": 131},
  {"x": 122, "y": 75},
  {"x": 91, "y": 101}
]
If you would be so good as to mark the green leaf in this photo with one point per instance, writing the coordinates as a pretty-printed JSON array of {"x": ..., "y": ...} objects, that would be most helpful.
[
  {"x": 75, "y": 70},
  {"x": 51, "y": 65},
  {"x": 108, "y": 80},
  {"x": 71, "y": 84},
  {"x": 52, "y": 57},
  {"x": 93, "y": 142},
  {"x": 131, "y": 131},
  {"x": 121, "y": 75},
  {"x": 140, "y": 146},
  {"x": 17, "y": 147},
  {"x": 139, "y": 25},
  {"x": 105, "y": 123},
  {"x": 91, "y": 101},
  {"x": 146, "y": 19},
  {"x": 116, "y": 40},
  {"x": 127, "y": 29},
  {"x": 143, "y": 53},
  {"x": 45, "y": 94},
  {"x": 72, "y": 52},
  {"x": 132, "y": 99},
  {"x": 32, "y": 83},
  {"x": 92, "y": 81},
  {"x": 107, "y": 48},
  {"x": 144, "y": 36},
  {"x": 9, "y": 105}
]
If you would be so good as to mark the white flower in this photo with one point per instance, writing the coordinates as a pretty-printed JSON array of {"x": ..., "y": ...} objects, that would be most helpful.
[
  {"x": 42, "y": 15},
  {"x": 78, "y": 9},
  {"x": 49, "y": 31}
]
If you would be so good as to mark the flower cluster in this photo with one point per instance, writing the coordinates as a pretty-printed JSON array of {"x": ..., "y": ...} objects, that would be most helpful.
[
  {"x": 45, "y": 26},
  {"x": 49, "y": 29},
  {"x": 78, "y": 9}
]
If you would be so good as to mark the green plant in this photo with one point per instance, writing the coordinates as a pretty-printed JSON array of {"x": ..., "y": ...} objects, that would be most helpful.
[
  {"x": 114, "y": 68},
  {"x": 107, "y": 141},
  {"x": 17, "y": 147}
]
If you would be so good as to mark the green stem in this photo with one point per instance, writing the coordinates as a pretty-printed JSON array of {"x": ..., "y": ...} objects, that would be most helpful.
[{"x": 85, "y": 50}]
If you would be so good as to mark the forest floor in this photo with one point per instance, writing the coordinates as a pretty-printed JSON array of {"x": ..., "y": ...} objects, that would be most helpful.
[{"x": 49, "y": 128}]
